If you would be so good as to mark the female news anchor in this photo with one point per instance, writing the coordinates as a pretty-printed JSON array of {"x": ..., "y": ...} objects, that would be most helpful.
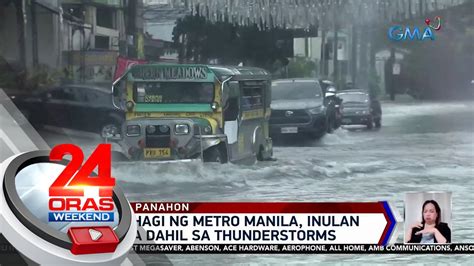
[{"x": 430, "y": 230}]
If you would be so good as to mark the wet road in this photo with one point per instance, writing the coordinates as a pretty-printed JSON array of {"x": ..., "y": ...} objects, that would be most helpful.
[{"x": 420, "y": 147}]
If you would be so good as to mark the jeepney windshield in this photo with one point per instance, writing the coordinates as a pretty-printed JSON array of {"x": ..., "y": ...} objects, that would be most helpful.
[{"x": 173, "y": 92}]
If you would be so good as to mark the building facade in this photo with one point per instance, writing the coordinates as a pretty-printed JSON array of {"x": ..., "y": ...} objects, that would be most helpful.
[
  {"x": 80, "y": 40},
  {"x": 30, "y": 33},
  {"x": 93, "y": 36}
]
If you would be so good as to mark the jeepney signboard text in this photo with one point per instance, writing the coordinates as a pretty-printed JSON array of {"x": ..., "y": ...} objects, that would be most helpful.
[{"x": 170, "y": 73}]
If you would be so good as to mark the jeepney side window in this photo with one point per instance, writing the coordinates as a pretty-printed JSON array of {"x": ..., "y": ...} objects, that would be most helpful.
[
  {"x": 252, "y": 95},
  {"x": 119, "y": 94},
  {"x": 231, "y": 107}
]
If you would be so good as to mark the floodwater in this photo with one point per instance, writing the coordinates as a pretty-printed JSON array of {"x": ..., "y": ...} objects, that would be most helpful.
[{"x": 420, "y": 147}]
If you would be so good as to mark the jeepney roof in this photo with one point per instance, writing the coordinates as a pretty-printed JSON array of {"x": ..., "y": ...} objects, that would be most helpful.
[
  {"x": 221, "y": 72},
  {"x": 240, "y": 72}
]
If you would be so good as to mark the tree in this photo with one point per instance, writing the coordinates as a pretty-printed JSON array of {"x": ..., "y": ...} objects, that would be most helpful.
[
  {"x": 301, "y": 67},
  {"x": 200, "y": 40}
]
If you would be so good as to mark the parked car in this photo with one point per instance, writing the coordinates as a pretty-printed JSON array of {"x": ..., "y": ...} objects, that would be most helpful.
[
  {"x": 359, "y": 109},
  {"x": 298, "y": 106},
  {"x": 80, "y": 107}
]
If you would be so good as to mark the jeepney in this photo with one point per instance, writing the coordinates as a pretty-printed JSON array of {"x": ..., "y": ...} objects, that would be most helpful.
[{"x": 181, "y": 112}]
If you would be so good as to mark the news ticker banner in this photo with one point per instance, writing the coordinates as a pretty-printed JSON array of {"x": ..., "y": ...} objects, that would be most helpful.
[
  {"x": 272, "y": 224},
  {"x": 305, "y": 248}
]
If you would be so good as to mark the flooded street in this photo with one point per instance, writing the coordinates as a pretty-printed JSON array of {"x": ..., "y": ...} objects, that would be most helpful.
[{"x": 420, "y": 147}]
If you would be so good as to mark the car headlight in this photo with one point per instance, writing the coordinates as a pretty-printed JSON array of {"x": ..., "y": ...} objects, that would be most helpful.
[
  {"x": 317, "y": 110},
  {"x": 133, "y": 130},
  {"x": 164, "y": 129},
  {"x": 207, "y": 130},
  {"x": 181, "y": 129},
  {"x": 130, "y": 105},
  {"x": 150, "y": 129}
]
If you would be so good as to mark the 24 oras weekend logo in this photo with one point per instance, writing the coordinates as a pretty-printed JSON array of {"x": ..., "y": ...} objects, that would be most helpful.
[
  {"x": 402, "y": 33},
  {"x": 78, "y": 196}
]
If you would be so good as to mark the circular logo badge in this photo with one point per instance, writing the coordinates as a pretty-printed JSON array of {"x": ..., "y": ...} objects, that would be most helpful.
[{"x": 52, "y": 215}]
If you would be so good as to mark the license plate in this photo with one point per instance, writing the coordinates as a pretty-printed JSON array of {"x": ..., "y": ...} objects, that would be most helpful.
[
  {"x": 289, "y": 130},
  {"x": 157, "y": 153},
  {"x": 346, "y": 120}
]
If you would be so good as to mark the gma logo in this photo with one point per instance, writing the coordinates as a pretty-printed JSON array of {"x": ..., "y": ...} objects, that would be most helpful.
[{"x": 399, "y": 33}]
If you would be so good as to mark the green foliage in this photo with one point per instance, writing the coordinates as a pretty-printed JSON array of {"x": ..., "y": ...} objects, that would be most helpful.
[
  {"x": 301, "y": 67},
  {"x": 11, "y": 75},
  {"x": 15, "y": 77},
  {"x": 7, "y": 80},
  {"x": 43, "y": 76},
  {"x": 200, "y": 40}
]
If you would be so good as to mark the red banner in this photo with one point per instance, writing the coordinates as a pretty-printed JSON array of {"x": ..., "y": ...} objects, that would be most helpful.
[
  {"x": 257, "y": 207},
  {"x": 124, "y": 63}
]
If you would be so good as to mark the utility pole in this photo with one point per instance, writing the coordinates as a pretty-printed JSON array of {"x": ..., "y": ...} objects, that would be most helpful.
[
  {"x": 131, "y": 28},
  {"x": 139, "y": 24},
  {"x": 335, "y": 63},
  {"x": 392, "y": 81},
  {"x": 355, "y": 40},
  {"x": 82, "y": 55},
  {"x": 410, "y": 12},
  {"x": 372, "y": 52},
  {"x": 20, "y": 23},
  {"x": 60, "y": 34},
  {"x": 322, "y": 69},
  {"x": 34, "y": 32},
  {"x": 421, "y": 7},
  {"x": 372, "y": 73},
  {"x": 135, "y": 38}
]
